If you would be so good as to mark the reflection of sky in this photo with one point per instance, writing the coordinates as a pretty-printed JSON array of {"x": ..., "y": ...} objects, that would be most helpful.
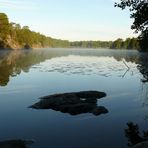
[
  {"x": 87, "y": 65},
  {"x": 66, "y": 72}
]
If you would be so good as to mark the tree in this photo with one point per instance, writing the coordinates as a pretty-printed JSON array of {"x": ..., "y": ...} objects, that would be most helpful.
[
  {"x": 139, "y": 12},
  {"x": 4, "y": 26},
  {"x": 117, "y": 44}
]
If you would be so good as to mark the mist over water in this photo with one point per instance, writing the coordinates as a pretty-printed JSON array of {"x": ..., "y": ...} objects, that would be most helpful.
[{"x": 26, "y": 76}]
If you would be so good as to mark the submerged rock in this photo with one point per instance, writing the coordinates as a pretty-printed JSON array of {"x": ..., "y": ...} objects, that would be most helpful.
[
  {"x": 141, "y": 145},
  {"x": 73, "y": 103},
  {"x": 15, "y": 143}
]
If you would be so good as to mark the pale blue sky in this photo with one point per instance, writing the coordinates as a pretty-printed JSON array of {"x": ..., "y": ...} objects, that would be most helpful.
[{"x": 71, "y": 19}]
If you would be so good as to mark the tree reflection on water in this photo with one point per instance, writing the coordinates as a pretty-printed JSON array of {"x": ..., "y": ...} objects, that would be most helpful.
[{"x": 133, "y": 134}]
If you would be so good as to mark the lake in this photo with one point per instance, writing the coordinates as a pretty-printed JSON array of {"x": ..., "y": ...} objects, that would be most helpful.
[{"x": 25, "y": 76}]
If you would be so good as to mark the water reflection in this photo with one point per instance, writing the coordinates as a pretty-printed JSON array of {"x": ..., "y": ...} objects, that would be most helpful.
[
  {"x": 134, "y": 136},
  {"x": 12, "y": 63},
  {"x": 71, "y": 61},
  {"x": 73, "y": 103},
  {"x": 143, "y": 66},
  {"x": 64, "y": 70},
  {"x": 143, "y": 69},
  {"x": 85, "y": 65}
]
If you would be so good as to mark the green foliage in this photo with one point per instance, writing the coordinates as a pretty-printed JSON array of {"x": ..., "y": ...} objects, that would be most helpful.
[
  {"x": 4, "y": 26},
  {"x": 117, "y": 44},
  {"x": 26, "y": 38},
  {"x": 129, "y": 43},
  {"x": 143, "y": 40},
  {"x": 139, "y": 12},
  {"x": 91, "y": 44}
]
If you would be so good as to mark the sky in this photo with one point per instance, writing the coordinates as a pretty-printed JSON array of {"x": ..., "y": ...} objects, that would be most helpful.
[{"x": 71, "y": 19}]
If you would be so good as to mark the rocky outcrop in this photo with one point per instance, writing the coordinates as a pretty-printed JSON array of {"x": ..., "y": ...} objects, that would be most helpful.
[
  {"x": 26, "y": 46},
  {"x": 12, "y": 44},
  {"x": 73, "y": 103}
]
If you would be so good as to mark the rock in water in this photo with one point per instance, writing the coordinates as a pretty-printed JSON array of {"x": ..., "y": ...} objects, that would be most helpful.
[
  {"x": 15, "y": 143},
  {"x": 73, "y": 103},
  {"x": 141, "y": 145}
]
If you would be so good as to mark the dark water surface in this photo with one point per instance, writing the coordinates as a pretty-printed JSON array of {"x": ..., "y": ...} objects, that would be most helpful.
[{"x": 25, "y": 76}]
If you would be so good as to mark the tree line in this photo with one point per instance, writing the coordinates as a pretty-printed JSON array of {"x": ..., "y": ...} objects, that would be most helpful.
[
  {"x": 129, "y": 43},
  {"x": 12, "y": 35}
]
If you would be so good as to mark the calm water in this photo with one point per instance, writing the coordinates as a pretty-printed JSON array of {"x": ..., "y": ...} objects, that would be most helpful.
[{"x": 25, "y": 76}]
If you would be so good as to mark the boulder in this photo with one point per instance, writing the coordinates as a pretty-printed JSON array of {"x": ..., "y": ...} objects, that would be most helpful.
[{"x": 73, "y": 103}]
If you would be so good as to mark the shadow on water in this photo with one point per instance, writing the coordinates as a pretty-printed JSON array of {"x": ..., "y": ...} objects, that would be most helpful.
[{"x": 73, "y": 103}]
